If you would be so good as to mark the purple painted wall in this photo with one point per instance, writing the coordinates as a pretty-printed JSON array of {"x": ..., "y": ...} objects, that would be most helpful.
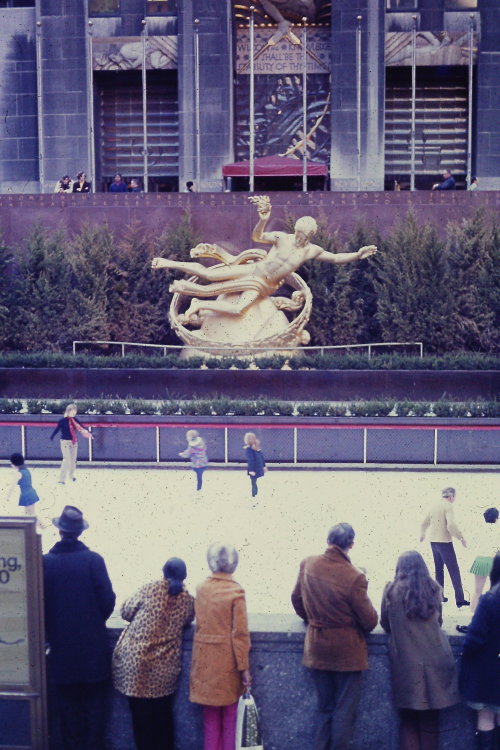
[{"x": 228, "y": 218}]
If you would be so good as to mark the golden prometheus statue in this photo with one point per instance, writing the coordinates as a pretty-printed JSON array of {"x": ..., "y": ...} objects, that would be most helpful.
[{"x": 246, "y": 315}]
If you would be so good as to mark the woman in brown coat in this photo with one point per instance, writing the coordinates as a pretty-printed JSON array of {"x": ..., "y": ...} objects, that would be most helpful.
[
  {"x": 147, "y": 657},
  {"x": 423, "y": 671},
  {"x": 219, "y": 671}
]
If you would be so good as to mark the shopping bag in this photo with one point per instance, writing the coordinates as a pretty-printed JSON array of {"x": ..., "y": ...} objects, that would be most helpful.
[{"x": 248, "y": 736}]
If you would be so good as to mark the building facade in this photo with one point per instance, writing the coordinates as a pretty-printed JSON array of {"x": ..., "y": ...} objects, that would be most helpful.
[{"x": 161, "y": 91}]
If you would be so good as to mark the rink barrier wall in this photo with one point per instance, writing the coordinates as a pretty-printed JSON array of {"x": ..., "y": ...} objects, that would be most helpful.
[
  {"x": 319, "y": 385},
  {"x": 286, "y": 698},
  {"x": 288, "y": 441}
]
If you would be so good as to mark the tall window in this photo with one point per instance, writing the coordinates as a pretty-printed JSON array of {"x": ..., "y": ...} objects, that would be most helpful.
[
  {"x": 161, "y": 7},
  {"x": 17, "y": 3},
  {"x": 104, "y": 7},
  {"x": 401, "y": 4},
  {"x": 460, "y": 4}
]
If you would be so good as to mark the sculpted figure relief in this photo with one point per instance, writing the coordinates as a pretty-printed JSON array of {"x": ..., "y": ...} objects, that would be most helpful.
[{"x": 243, "y": 285}]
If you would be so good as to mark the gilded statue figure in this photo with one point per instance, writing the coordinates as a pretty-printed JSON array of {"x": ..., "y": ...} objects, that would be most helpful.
[{"x": 242, "y": 283}]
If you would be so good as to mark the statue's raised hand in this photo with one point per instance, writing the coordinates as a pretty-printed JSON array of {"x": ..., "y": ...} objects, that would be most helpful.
[{"x": 366, "y": 251}]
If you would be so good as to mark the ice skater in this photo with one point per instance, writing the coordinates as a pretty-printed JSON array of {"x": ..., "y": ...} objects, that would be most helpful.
[
  {"x": 196, "y": 451},
  {"x": 487, "y": 546},
  {"x": 22, "y": 477},
  {"x": 68, "y": 426},
  {"x": 256, "y": 465}
]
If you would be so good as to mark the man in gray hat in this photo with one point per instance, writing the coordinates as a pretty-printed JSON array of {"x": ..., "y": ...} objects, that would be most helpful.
[{"x": 79, "y": 598}]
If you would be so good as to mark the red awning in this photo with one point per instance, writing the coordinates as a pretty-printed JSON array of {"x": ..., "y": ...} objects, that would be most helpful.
[{"x": 274, "y": 166}]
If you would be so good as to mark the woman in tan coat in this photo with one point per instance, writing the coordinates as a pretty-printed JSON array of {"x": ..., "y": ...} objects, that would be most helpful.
[
  {"x": 219, "y": 671},
  {"x": 147, "y": 657},
  {"x": 423, "y": 674}
]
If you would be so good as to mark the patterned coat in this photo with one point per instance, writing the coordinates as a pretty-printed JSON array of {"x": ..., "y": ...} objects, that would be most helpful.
[
  {"x": 147, "y": 657},
  {"x": 221, "y": 642},
  {"x": 197, "y": 452}
]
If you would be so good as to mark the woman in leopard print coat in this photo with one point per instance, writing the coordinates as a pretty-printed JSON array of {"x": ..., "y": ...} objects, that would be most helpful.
[{"x": 147, "y": 657}]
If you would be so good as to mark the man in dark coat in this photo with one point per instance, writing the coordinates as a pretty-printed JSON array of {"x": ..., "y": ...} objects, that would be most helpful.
[
  {"x": 79, "y": 599},
  {"x": 331, "y": 596}
]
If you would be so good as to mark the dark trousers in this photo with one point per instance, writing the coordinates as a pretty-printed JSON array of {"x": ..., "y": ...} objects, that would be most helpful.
[
  {"x": 152, "y": 721},
  {"x": 444, "y": 554},
  {"x": 253, "y": 481},
  {"x": 81, "y": 711},
  {"x": 418, "y": 730},
  {"x": 199, "y": 476},
  {"x": 338, "y": 699}
]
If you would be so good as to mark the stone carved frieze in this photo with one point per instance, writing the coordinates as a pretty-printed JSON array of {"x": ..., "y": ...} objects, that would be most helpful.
[
  {"x": 432, "y": 48},
  {"x": 125, "y": 53}
]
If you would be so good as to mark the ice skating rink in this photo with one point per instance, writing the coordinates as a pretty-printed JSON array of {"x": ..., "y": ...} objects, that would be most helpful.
[{"x": 141, "y": 516}]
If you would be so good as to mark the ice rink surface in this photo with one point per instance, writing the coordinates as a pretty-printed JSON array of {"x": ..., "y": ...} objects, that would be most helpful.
[{"x": 139, "y": 517}]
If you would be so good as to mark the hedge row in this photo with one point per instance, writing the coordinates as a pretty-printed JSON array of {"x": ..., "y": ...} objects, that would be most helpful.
[
  {"x": 317, "y": 361},
  {"x": 259, "y": 407}
]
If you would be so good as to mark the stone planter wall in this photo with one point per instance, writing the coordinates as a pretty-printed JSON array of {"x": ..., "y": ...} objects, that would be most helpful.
[{"x": 294, "y": 385}]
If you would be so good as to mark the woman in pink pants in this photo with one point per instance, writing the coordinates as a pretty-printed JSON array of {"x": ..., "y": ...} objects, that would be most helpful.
[{"x": 221, "y": 644}]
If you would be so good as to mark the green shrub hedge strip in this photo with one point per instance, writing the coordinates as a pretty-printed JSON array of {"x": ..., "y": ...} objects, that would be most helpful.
[
  {"x": 260, "y": 407},
  {"x": 457, "y": 361}
]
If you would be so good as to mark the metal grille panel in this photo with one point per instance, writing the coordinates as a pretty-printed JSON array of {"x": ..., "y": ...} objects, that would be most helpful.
[{"x": 120, "y": 124}]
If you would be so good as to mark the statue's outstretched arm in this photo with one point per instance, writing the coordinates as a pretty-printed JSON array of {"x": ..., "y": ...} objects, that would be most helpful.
[{"x": 363, "y": 252}]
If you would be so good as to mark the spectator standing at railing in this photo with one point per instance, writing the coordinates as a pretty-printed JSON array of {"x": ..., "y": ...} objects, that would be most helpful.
[
  {"x": 331, "y": 596},
  {"x": 81, "y": 185},
  {"x": 118, "y": 185},
  {"x": 64, "y": 185}
]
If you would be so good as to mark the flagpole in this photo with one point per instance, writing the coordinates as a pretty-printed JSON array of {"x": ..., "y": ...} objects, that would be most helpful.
[
  {"x": 251, "y": 123},
  {"x": 413, "y": 101},
  {"x": 145, "y": 179},
  {"x": 471, "y": 80},
  {"x": 197, "y": 99},
  {"x": 358, "y": 100},
  {"x": 304, "y": 104},
  {"x": 90, "y": 107}
]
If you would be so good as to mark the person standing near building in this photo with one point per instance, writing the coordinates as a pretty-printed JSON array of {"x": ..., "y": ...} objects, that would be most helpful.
[
  {"x": 81, "y": 185},
  {"x": 440, "y": 521},
  {"x": 331, "y": 597},
  {"x": 64, "y": 185},
  {"x": 79, "y": 598},
  {"x": 448, "y": 182},
  {"x": 118, "y": 185}
]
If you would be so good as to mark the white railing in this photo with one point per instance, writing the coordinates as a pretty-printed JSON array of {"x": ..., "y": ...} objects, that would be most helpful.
[{"x": 233, "y": 350}]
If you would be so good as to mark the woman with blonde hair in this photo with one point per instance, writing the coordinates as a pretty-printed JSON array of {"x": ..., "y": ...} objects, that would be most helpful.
[
  {"x": 256, "y": 464},
  {"x": 423, "y": 671},
  {"x": 68, "y": 426},
  {"x": 221, "y": 644},
  {"x": 196, "y": 451}
]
